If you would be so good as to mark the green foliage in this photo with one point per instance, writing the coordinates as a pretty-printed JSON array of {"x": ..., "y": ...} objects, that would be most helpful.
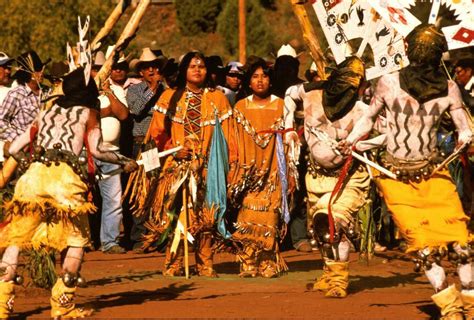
[
  {"x": 197, "y": 16},
  {"x": 46, "y": 25},
  {"x": 259, "y": 34},
  {"x": 41, "y": 267}
]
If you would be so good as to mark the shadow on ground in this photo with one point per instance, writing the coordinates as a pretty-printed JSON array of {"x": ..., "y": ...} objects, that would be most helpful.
[{"x": 362, "y": 283}]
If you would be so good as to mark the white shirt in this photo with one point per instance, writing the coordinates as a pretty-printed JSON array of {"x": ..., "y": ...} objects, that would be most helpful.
[{"x": 111, "y": 125}]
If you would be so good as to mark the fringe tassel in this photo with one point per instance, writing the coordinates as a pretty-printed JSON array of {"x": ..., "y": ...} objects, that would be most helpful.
[{"x": 47, "y": 209}]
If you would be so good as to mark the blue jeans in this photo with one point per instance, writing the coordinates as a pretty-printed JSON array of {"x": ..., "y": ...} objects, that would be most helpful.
[{"x": 111, "y": 215}]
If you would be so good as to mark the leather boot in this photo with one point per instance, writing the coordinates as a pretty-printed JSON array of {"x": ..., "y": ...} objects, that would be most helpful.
[
  {"x": 322, "y": 284},
  {"x": 174, "y": 263},
  {"x": 7, "y": 295},
  {"x": 338, "y": 279},
  {"x": 450, "y": 303},
  {"x": 62, "y": 305},
  {"x": 467, "y": 297},
  {"x": 248, "y": 268},
  {"x": 204, "y": 255},
  {"x": 267, "y": 266}
]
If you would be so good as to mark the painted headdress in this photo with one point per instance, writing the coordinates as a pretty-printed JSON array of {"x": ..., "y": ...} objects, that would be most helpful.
[{"x": 353, "y": 26}]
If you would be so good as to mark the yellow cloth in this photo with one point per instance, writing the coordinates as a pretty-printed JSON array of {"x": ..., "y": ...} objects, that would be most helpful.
[
  {"x": 428, "y": 213},
  {"x": 346, "y": 205},
  {"x": 48, "y": 208}
]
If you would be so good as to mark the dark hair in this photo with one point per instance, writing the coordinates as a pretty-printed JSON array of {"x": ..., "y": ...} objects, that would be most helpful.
[
  {"x": 286, "y": 74},
  {"x": 22, "y": 77},
  {"x": 466, "y": 63},
  {"x": 259, "y": 63}
]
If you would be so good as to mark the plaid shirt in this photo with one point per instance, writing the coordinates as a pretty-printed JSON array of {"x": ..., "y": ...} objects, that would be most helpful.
[
  {"x": 141, "y": 100},
  {"x": 20, "y": 107}
]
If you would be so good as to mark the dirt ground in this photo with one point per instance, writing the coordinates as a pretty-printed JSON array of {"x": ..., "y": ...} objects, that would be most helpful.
[{"x": 132, "y": 286}]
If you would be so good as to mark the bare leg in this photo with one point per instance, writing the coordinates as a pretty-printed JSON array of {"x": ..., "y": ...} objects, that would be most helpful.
[
  {"x": 9, "y": 263},
  {"x": 73, "y": 260}
]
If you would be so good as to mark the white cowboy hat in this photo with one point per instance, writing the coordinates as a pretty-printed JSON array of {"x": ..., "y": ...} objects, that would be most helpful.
[
  {"x": 148, "y": 56},
  {"x": 287, "y": 50}
]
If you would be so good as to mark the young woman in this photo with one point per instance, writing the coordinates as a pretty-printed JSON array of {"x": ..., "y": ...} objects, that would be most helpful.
[
  {"x": 259, "y": 120},
  {"x": 186, "y": 117}
]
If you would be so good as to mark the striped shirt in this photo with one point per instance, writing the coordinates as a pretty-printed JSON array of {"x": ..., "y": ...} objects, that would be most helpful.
[{"x": 18, "y": 110}]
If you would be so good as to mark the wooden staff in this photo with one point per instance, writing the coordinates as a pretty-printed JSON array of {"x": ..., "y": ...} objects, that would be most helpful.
[
  {"x": 185, "y": 231},
  {"x": 242, "y": 33},
  {"x": 309, "y": 36},
  {"x": 122, "y": 5},
  {"x": 122, "y": 42}
]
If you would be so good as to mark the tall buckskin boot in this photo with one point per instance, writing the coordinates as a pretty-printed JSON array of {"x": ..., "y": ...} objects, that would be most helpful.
[
  {"x": 204, "y": 254},
  {"x": 7, "y": 295},
  {"x": 62, "y": 305},
  {"x": 467, "y": 298},
  {"x": 322, "y": 284},
  {"x": 450, "y": 303},
  {"x": 174, "y": 263},
  {"x": 338, "y": 279}
]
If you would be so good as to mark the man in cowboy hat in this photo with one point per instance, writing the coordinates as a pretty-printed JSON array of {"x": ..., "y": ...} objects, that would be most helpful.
[
  {"x": 21, "y": 105},
  {"x": 141, "y": 98}
]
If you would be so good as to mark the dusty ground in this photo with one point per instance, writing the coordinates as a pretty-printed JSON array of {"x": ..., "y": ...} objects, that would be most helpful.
[{"x": 131, "y": 286}]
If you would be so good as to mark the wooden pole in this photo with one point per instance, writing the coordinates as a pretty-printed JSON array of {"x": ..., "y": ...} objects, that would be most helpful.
[
  {"x": 185, "y": 227},
  {"x": 109, "y": 24},
  {"x": 309, "y": 36},
  {"x": 122, "y": 42},
  {"x": 242, "y": 33}
]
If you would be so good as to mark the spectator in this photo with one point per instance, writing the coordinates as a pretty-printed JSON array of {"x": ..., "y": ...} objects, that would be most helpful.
[
  {"x": 22, "y": 104},
  {"x": 113, "y": 110},
  {"x": 141, "y": 99}
]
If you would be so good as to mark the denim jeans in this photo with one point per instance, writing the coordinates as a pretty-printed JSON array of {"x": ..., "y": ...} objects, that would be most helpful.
[{"x": 111, "y": 215}]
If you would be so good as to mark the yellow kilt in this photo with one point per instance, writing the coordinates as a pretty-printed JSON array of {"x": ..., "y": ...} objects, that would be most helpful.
[
  {"x": 48, "y": 208},
  {"x": 428, "y": 213}
]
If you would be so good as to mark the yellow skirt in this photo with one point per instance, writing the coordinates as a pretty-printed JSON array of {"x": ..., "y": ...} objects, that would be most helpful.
[
  {"x": 428, "y": 213},
  {"x": 48, "y": 208}
]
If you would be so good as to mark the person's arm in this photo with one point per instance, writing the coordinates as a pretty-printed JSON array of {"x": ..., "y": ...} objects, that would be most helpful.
[
  {"x": 94, "y": 137},
  {"x": 20, "y": 142},
  {"x": 367, "y": 121},
  {"x": 460, "y": 116},
  {"x": 292, "y": 97},
  {"x": 115, "y": 108},
  {"x": 7, "y": 110}
]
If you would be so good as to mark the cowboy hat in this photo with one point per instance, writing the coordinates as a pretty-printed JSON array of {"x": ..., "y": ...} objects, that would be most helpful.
[
  {"x": 287, "y": 50},
  {"x": 149, "y": 58},
  {"x": 5, "y": 59}
]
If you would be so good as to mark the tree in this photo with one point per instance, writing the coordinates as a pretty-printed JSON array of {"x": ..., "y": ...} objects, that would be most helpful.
[
  {"x": 46, "y": 25},
  {"x": 259, "y": 32},
  {"x": 197, "y": 16}
]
